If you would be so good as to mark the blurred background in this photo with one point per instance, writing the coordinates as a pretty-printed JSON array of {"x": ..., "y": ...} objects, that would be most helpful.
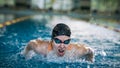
[
  {"x": 102, "y": 10},
  {"x": 99, "y": 8}
]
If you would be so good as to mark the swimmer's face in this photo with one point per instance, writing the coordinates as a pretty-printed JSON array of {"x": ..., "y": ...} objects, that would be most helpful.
[{"x": 60, "y": 43}]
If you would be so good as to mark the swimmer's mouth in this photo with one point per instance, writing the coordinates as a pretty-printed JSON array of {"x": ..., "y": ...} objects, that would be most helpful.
[{"x": 61, "y": 52}]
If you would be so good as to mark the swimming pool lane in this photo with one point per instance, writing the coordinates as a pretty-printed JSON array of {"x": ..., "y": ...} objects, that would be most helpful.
[{"x": 14, "y": 37}]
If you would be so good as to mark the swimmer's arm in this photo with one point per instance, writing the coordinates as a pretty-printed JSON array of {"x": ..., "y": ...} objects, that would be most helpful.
[
  {"x": 36, "y": 46},
  {"x": 89, "y": 54},
  {"x": 28, "y": 48},
  {"x": 86, "y": 52}
]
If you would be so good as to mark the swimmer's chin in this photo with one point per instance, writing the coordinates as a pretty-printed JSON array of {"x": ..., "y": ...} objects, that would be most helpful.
[{"x": 60, "y": 54}]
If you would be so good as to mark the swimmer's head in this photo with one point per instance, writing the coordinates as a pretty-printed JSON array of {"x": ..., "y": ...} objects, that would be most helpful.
[
  {"x": 61, "y": 38},
  {"x": 61, "y": 29}
]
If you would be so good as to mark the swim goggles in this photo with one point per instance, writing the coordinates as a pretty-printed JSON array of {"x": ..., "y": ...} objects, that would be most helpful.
[{"x": 58, "y": 41}]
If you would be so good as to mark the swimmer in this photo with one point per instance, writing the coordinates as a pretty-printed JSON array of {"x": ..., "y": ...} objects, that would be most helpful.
[{"x": 60, "y": 44}]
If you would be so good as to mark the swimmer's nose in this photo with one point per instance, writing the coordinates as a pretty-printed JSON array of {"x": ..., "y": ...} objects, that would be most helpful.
[{"x": 62, "y": 45}]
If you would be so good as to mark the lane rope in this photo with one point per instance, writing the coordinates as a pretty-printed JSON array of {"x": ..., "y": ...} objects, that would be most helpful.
[
  {"x": 108, "y": 27},
  {"x": 7, "y": 23}
]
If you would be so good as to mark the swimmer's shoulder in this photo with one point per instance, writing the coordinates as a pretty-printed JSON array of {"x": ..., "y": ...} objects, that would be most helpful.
[
  {"x": 78, "y": 46},
  {"x": 38, "y": 42}
]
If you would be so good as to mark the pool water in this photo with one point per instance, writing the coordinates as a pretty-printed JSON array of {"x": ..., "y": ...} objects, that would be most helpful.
[{"x": 13, "y": 39}]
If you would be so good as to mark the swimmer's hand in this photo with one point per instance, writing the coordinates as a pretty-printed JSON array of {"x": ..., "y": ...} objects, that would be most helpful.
[{"x": 90, "y": 55}]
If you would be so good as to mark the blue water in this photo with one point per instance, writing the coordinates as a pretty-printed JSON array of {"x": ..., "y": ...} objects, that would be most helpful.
[{"x": 13, "y": 39}]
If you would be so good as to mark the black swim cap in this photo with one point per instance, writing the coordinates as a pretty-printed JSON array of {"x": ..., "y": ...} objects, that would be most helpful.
[{"x": 61, "y": 29}]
